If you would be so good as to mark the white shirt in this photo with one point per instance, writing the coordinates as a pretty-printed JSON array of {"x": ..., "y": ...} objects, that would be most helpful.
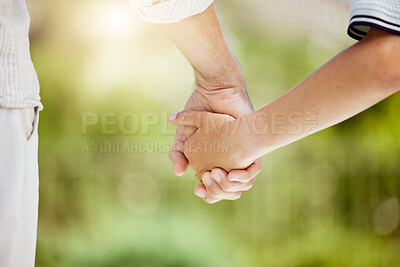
[
  {"x": 19, "y": 86},
  {"x": 168, "y": 11}
]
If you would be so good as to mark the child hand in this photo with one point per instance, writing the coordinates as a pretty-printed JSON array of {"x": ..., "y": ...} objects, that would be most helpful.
[{"x": 218, "y": 146}]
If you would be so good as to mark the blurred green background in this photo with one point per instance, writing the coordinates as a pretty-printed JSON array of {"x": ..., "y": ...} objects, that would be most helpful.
[{"x": 331, "y": 199}]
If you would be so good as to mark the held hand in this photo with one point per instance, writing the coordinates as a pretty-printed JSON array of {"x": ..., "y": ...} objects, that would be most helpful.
[
  {"x": 232, "y": 100},
  {"x": 228, "y": 100},
  {"x": 217, "y": 146},
  {"x": 216, "y": 185}
]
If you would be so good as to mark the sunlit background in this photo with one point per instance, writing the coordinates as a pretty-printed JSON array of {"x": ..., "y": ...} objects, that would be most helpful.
[{"x": 329, "y": 200}]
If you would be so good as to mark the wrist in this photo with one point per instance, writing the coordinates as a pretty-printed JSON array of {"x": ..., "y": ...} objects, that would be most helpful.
[
  {"x": 220, "y": 77},
  {"x": 256, "y": 141}
]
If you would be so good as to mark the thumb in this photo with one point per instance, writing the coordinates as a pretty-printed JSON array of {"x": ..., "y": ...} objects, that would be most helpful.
[
  {"x": 188, "y": 118},
  {"x": 179, "y": 162}
]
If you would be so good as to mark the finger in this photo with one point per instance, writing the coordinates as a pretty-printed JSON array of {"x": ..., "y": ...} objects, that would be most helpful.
[
  {"x": 202, "y": 193},
  {"x": 211, "y": 200},
  {"x": 198, "y": 118},
  {"x": 244, "y": 176},
  {"x": 179, "y": 162},
  {"x": 216, "y": 191},
  {"x": 221, "y": 177},
  {"x": 187, "y": 118},
  {"x": 247, "y": 186}
]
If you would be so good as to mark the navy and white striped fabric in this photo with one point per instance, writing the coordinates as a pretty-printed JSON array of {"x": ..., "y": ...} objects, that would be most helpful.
[
  {"x": 169, "y": 11},
  {"x": 381, "y": 14}
]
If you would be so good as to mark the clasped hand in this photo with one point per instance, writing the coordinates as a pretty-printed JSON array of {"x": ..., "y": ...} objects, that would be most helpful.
[{"x": 217, "y": 152}]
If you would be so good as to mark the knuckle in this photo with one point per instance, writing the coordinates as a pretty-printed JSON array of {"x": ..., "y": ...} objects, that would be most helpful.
[
  {"x": 211, "y": 200},
  {"x": 243, "y": 177},
  {"x": 224, "y": 186},
  {"x": 249, "y": 185},
  {"x": 216, "y": 171},
  {"x": 219, "y": 195},
  {"x": 236, "y": 196},
  {"x": 215, "y": 194},
  {"x": 230, "y": 189},
  {"x": 245, "y": 180},
  {"x": 246, "y": 188},
  {"x": 208, "y": 201},
  {"x": 199, "y": 115}
]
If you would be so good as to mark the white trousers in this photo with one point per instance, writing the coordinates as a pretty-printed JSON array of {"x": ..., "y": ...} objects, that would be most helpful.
[{"x": 19, "y": 180}]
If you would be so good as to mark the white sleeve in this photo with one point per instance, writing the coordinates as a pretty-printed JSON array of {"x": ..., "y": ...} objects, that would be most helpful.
[
  {"x": 168, "y": 11},
  {"x": 381, "y": 14}
]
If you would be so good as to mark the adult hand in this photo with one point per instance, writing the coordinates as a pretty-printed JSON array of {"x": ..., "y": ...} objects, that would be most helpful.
[
  {"x": 220, "y": 84},
  {"x": 232, "y": 101}
]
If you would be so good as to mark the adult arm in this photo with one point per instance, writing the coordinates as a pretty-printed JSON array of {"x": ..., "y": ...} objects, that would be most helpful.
[{"x": 220, "y": 86}]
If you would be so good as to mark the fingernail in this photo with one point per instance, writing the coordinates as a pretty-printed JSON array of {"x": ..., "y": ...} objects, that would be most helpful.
[
  {"x": 172, "y": 116},
  {"x": 217, "y": 177},
  {"x": 201, "y": 193},
  {"x": 233, "y": 179},
  {"x": 207, "y": 180}
]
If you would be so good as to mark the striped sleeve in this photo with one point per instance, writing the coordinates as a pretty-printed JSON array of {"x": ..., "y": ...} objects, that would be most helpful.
[
  {"x": 381, "y": 14},
  {"x": 168, "y": 11}
]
